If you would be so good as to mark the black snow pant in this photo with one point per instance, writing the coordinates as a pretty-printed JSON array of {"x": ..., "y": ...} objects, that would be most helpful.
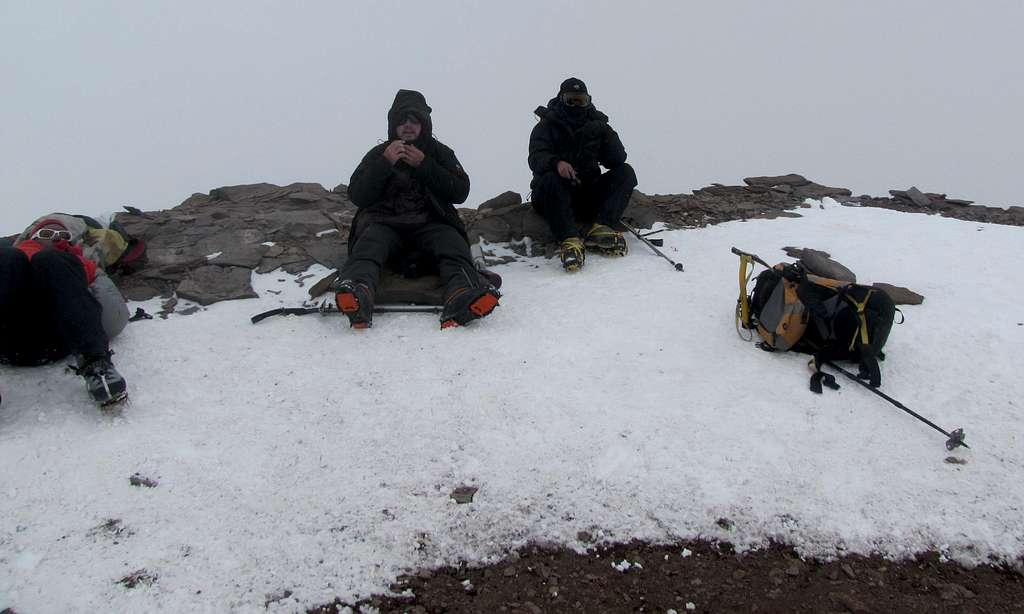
[
  {"x": 46, "y": 309},
  {"x": 565, "y": 206},
  {"x": 382, "y": 243}
]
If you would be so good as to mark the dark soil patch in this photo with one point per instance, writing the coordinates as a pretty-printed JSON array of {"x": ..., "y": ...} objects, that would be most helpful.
[{"x": 701, "y": 577}]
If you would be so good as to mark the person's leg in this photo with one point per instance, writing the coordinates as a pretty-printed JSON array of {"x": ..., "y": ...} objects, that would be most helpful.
[
  {"x": 372, "y": 250},
  {"x": 611, "y": 192},
  {"x": 61, "y": 283},
  {"x": 22, "y": 341},
  {"x": 606, "y": 198},
  {"x": 466, "y": 296},
  {"x": 62, "y": 287},
  {"x": 357, "y": 281},
  {"x": 552, "y": 198},
  {"x": 451, "y": 253}
]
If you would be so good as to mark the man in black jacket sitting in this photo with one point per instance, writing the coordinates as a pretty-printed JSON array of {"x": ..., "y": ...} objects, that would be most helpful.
[
  {"x": 406, "y": 190},
  {"x": 567, "y": 149}
]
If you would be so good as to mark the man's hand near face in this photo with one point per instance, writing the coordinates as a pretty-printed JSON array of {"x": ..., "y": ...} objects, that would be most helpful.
[
  {"x": 394, "y": 152},
  {"x": 412, "y": 155}
]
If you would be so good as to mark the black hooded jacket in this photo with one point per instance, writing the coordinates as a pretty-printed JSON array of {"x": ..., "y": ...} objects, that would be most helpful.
[
  {"x": 579, "y": 136},
  {"x": 440, "y": 175}
]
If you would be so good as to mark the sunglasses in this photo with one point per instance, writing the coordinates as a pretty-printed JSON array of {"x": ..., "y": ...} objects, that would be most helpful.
[
  {"x": 48, "y": 234},
  {"x": 576, "y": 100}
]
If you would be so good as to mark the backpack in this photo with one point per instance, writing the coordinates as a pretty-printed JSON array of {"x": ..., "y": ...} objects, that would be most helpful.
[
  {"x": 121, "y": 252},
  {"x": 793, "y": 310}
]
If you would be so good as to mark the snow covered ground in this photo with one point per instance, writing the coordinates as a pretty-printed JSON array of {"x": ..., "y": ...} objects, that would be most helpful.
[{"x": 299, "y": 455}]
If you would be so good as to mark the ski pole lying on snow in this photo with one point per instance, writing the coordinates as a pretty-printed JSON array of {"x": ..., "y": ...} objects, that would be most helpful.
[
  {"x": 955, "y": 438},
  {"x": 636, "y": 233},
  {"x": 327, "y": 308}
]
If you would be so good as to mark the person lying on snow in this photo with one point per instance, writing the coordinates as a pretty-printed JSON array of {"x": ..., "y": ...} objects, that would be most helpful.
[
  {"x": 56, "y": 300},
  {"x": 568, "y": 146},
  {"x": 406, "y": 190}
]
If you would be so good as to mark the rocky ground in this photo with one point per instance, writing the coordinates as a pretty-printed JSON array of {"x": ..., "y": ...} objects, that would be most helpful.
[
  {"x": 700, "y": 577},
  {"x": 205, "y": 249}
]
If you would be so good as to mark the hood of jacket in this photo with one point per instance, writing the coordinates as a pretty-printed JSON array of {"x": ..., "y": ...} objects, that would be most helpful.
[{"x": 406, "y": 102}]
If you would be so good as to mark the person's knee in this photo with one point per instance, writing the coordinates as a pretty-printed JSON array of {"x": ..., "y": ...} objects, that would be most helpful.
[
  {"x": 624, "y": 175},
  {"x": 13, "y": 257},
  {"x": 376, "y": 239},
  {"x": 547, "y": 185},
  {"x": 51, "y": 259}
]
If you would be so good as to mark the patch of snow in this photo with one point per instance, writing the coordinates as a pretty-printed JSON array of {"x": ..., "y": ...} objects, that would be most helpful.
[
  {"x": 278, "y": 446},
  {"x": 324, "y": 233},
  {"x": 213, "y": 255}
]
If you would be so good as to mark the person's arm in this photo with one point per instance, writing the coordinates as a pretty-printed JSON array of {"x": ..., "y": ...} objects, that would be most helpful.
[
  {"x": 543, "y": 157},
  {"x": 443, "y": 175},
  {"x": 369, "y": 179},
  {"x": 613, "y": 154},
  {"x": 114, "y": 314}
]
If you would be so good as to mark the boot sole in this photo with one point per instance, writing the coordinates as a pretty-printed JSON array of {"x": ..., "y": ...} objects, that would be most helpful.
[
  {"x": 348, "y": 304},
  {"x": 481, "y": 307}
]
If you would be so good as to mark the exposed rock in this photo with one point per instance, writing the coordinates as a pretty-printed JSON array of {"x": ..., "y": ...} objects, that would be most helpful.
[
  {"x": 899, "y": 294},
  {"x": 464, "y": 494},
  {"x": 137, "y": 577},
  {"x": 137, "y": 479},
  {"x": 819, "y": 263},
  {"x": 209, "y": 284},
  {"x": 918, "y": 197},
  {"x": 205, "y": 247},
  {"x": 791, "y": 179},
  {"x": 499, "y": 202}
]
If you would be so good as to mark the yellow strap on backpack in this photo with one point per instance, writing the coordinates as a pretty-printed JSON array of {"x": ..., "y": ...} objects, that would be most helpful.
[{"x": 863, "y": 320}]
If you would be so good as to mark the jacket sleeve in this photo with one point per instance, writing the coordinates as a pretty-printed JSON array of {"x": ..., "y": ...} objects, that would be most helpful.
[
  {"x": 542, "y": 149},
  {"x": 114, "y": 310},
  {"x": 442, "y": 174},
  {"x": 369, "y": 179},
  {"x": 613, "y": 154}
]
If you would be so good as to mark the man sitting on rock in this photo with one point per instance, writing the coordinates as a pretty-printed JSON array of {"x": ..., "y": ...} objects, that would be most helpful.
[
  {"x": 55, "y": 300},
  {"x": 567, "y": 149},
  {"x": 406, "y": 190}
]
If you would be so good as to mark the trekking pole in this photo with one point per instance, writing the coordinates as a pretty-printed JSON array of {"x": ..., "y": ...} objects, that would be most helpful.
[
  {"x": 678, "y": 265},
  {"x": 327, "y": 308},
  {"x": 955, "y": 439}
]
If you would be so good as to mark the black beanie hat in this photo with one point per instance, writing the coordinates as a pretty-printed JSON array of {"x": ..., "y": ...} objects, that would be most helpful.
[{"x": 573, "y": 85}]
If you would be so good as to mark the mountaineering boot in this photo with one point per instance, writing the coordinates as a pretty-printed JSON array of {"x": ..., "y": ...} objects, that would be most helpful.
[
  {"x": 355, "y": 300},
  {"x": 105, "y": 385},
  {"x": 572, "y": 253},
  {"x": 606, "y": 240},
  {"x": 468, "y": 304}
]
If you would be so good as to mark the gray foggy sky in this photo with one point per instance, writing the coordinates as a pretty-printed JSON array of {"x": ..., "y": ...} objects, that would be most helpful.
[{"x": 143, "y": 103}]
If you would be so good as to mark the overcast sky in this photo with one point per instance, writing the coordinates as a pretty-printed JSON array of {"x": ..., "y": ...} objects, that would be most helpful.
[{"x": 111, "y": 103}]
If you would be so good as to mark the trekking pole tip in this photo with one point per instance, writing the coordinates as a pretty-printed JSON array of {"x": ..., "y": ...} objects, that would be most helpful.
[
  {"x": 956, "y": 439},
  {"x": 679, "y": 266}
]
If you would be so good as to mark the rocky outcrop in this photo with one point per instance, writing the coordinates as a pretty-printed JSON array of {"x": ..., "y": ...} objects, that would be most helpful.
[{"x": 205, "y": 248}]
